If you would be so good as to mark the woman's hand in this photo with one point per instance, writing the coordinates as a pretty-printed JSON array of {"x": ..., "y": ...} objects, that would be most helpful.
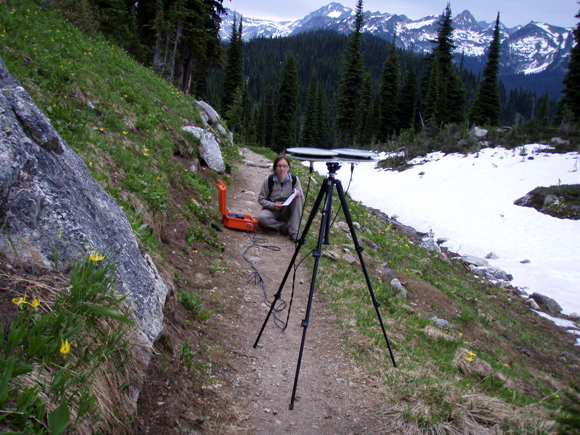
[{"x": 278, "y": 206}]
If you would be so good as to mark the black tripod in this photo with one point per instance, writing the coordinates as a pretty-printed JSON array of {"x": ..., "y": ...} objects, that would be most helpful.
[{"x": 326, "y": 190}]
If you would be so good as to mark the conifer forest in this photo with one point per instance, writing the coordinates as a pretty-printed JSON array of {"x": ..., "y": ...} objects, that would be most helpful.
[{"x": 322, "y": 88}]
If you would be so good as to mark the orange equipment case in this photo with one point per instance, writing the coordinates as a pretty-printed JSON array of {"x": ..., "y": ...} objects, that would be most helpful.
[{"x": 235, "y": 221}]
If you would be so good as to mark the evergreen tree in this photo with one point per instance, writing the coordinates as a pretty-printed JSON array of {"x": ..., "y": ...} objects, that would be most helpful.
[
  {"x": 235, "y": 113},
  {"x": 486, "y": 108},
  {"x": 572, "y": 78},
  {"x": 455, "y": 99},
  {"x": 234, "y": 68},
  {"x": 408, "y": 100},
  {"x": 200, "y": 85},
  {"x": 260, "y": 137},
  {"x": 389, "y": 95},
  {"x": 324, "y": 137},
  {"x": 284, "y": 135},
  {"x": 433, "y": 98},
  {"x": 118, "y": 21},
  {"x": 445, "y": 93},
  {"x": 351, "y": 84},
  {"x": 311, "y": 133},
  {"x": 445, "y": 44},
  {"x": 269, "y": 118},
  {"x": 248, "y": 119},
  {"x": 179, "y": 35},
  {"x": 543, "y": 113},
  {"x": 364, "y": 137}
]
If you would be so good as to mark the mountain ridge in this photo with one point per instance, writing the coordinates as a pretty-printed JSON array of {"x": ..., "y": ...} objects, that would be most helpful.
[{"x": 526, "y": 49}]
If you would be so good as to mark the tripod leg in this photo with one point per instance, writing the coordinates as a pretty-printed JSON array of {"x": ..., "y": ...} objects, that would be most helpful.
[
  {"x": 301, "y": 241},
  {"x": 360, "y": 249},
  {"x": 316, "y": 254}
]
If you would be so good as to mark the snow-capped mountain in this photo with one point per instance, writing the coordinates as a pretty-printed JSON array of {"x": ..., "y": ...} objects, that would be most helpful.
[{"x": 528, "y": 49}]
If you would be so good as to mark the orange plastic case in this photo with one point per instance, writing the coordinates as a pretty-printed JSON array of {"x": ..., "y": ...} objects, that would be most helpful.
[{"x": 234, "y": 221}]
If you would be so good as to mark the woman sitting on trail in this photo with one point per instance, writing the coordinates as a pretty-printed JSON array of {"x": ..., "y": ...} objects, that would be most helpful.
[{"x": 276, "y": 189}]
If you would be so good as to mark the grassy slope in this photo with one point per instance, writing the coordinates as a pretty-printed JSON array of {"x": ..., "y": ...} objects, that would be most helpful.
[{"x": 133, "y": 144}]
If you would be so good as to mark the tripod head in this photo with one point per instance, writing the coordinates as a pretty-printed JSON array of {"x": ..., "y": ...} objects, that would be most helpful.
[{"x": 333, "y": 168}]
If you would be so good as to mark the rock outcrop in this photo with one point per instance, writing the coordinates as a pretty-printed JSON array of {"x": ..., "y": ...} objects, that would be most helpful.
[
  {"x": 53, "y": 212},
  {"x": 210, "y": 151}
]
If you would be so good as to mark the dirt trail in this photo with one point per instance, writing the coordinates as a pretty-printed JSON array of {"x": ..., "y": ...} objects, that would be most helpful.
[{"x": 333, "y": 394}]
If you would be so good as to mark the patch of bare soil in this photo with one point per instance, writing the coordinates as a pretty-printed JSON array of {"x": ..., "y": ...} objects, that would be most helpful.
[{"x": 236, "y": 388}]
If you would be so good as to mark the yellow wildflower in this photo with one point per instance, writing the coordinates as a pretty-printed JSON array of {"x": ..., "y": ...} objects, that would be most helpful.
[
  {"x": 21, "y": 300},
  {"x": 96, "y": 257},
  {"x": 65, "y": 347}
]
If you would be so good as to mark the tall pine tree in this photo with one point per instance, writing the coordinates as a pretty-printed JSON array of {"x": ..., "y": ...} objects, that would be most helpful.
[
  {"x": 234, "y": 68},
  {"x": 284, "y": 135},
  {"x": 571, "y": 80},
  {"x": 269, "y": 118},
  {"x": 445, "y": 93},
  {"x": 389, "y": 95},
  {"x": 486, "y": 108},
  {"x": 433, "y": 98},
  {"x": 409, "y": 93},
  {"x": 180, "y": 36},
  {"x": 351, "y": 84},
  {"x": 365, "y": 134},
  {"x": 311, "y": 131}
]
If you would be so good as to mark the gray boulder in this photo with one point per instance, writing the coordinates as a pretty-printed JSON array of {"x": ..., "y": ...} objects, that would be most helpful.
[
  {"x": 210, "y": 150},
  {"x": 54, "y": 210},
  {"x": 546, "y": 303},
  {"x": 492, "y": 273},
  {"x": 387, "y": 271},
  {"x": 442, "y": 323},
  {"x": 475, "y": 261},
  {"x": 398, "y": 287},
  {"x": 221, "y": 130},
  {"x": 212, "y": 116},
  {"x": 477, "y": 133},
  {"x": 559, "y": 141},
  {"x": 430, "y": 244}
]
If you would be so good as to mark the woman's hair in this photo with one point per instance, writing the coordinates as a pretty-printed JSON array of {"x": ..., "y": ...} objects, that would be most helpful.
[{"x": 280, "y": 157}]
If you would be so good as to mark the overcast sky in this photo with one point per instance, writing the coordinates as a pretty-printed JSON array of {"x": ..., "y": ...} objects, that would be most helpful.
[{"x": 512, "y": 12}]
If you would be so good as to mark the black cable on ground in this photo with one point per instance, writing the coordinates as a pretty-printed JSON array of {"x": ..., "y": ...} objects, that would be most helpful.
[
  {"x": 260, "y": 242},
  {"x": 256, "y": 278}
]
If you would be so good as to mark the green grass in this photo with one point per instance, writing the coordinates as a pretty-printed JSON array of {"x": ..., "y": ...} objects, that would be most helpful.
[
  {"x": 426, "y": 378},
  {"x": 119, "y": 117},
  {"x": 38, "y": 369},
  {"x": 125, "y": 123}
]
